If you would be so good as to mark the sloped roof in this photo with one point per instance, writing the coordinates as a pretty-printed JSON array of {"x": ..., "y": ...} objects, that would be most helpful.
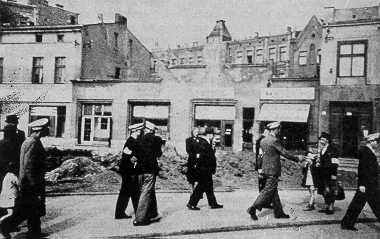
[{"x": 220, "y": 29}]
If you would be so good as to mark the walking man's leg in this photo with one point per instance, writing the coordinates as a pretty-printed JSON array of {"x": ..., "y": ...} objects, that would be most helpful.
[
  {"x": 145, "y": 201},
  {"x": 209, "y": 190},
  {"x": 122, "y": 200},
  {"x": 196, "y": 195},
  {"x": 353, "y": 211}
]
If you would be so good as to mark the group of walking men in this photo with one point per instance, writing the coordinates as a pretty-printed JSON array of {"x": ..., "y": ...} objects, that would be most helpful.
[
  {"x": 26, "y": 159},
  {"x": 138, "y": 168}
]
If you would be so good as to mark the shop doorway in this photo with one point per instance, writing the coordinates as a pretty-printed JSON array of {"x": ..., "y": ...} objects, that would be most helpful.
[{"x": 350, "y": 134}]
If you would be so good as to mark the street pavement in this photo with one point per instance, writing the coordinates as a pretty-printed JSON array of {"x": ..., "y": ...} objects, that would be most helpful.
[{"x": 92, "y": 216}]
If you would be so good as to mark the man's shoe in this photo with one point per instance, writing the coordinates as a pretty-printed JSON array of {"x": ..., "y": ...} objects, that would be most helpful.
[
  {"x": 323, "y": 210},
  {"x": 125, "y": 216},
  {"x": 309, "y": 208},
  {"x": 156, "y": 218},
  {"x": 252, "y": 212},
  {"x": 216, "y": 206},
  {"x": 284, "y": 216},
  {"x": 192, "y": 207},
  {"x": 329, "y": 212},
  {"x": 140, "y": 223},
  {"x": 350, "y": 228}
]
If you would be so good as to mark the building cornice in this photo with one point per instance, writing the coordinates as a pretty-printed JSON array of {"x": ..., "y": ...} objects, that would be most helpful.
[
  {"x": 41, "y": 29},
  {"x": 352, "y": 23}
]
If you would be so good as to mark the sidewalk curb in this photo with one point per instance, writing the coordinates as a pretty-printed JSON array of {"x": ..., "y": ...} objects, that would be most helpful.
[
  {"x": 241, "y": 228},
  {"x": 168, "y": 191}
]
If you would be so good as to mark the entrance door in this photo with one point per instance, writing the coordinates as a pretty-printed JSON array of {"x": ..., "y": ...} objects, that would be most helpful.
[
  {"x": 350, "y": 135},
  {"x": 227, "y": 133},
  {"x": 87, "y": 130}
]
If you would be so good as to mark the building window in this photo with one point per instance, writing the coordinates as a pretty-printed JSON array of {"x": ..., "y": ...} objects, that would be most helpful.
[
  {"x": 259, "y": 56},
  {"x": 200, "y": 59},
  {"x": 249, "y": 56},
  {"x": 59, "y": 69},
  {"x": 319, "y": 56},
  {"x": 96, "y": 123},
  {"x": 182, "y": 61},
  {"x": 156, "y": 113},
  {"x": 283, "y": 53},
  {"x": 37, "y": 70},
  {"x": 191, "y": 60},
  {"x": 239, "y": 57},
  {"x": 60, "y": 37},
  {"x": 117, "y": 72},
  {"x": 1, "y": 69},
  {"x": 248, "y": 119},
  {"x": 302, "y": 58},
  {"x": 116, "y": 36},
  {"x": 174, "y": 61},
  {"x": 56, "y": 116},
  {"x": 272, "y": 54},
  {"x": 352, "y": 58},
  {"x": 38, "y": 37}
]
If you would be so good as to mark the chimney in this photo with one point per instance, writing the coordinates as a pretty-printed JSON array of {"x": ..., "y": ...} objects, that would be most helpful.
[
  {"x": 178, "y": 46},
  {"x": 256, "y": 34},
  {"x": 288, "y": 29},
  {"x": 120, "y": 19},
  {"x": 100, "y": 17}
]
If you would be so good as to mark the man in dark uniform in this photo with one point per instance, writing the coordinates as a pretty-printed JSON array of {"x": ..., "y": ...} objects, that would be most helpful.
[
  {"x": 368, "y": 180},
  {"x": 30, "y": 203},
  {"x": 205, "y": 167},
  {"x": 147, "y": 167},
  {"x": 128, "y": 172},
  {"x": 272, "y": 150}
]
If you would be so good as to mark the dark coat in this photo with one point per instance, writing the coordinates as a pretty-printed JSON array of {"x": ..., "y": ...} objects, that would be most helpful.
[
  {"x": 126, "y": 167},
  {"x": 150, "y": 150},
  {"x": 206, "y": 164},
  {"x": 368, "y": 170},
  {"x": 32, "y": 168},
  {"x": 272, "y": 150},
  {"x": 192, "y": 149},
  {"x": 326, "y": 169}
]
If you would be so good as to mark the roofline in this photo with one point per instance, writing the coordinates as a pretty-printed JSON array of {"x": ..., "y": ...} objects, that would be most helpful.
[
  {"x": 22, "y": 29},
  {"x": 352, "y": 23},
  {"x": 19, "y": 4}
]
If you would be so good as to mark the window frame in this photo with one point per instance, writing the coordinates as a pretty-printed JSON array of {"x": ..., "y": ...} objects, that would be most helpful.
[
  {"x": 352, "y": 56},
  {"x": 58, "y": 132},
  {"x": 39, "y": 38},
  {"x": 60, "y": 37},
  {"x": 259, "y": 53},
  {"x": 283, "y": 53},
  {"x": 35, "y": 67},
  {"x": 304, "y": 57},
  {"x": 57, "y": 68},
  {"x": 272, "y": 53}
]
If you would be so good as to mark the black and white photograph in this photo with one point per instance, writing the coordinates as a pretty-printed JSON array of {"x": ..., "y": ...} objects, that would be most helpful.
[{"x": 190, "y": 119}]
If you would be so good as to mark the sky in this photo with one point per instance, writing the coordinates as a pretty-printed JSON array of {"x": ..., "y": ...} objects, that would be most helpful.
[{"x": 176, "y": 22}]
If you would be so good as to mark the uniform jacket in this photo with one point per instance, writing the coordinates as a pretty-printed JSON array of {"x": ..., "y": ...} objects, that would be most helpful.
[
  {"x": 368, "y": 170},
  {"x": 32, "y": 168},
  {"x": 272, "y": 149}
]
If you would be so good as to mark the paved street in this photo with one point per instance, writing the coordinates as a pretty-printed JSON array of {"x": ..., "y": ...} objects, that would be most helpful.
[{"x": 92, "y": 217}]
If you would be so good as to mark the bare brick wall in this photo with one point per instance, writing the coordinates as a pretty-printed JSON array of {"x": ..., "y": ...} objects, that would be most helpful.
[{"x": 48, "y": 15}]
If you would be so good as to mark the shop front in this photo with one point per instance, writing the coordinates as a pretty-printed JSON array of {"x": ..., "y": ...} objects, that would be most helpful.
[{"x": 218, "y": 115}]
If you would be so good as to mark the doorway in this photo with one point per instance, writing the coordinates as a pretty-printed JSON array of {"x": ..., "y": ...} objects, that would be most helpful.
[{"x": 350, "y": 135}]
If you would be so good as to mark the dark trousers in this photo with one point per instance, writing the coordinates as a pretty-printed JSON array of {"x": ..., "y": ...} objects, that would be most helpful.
[
  {"x": 25, "y": 209},
  {"x": 147, "y": 205},
  {"x": 269, "y": 195},
  {"x": 129, "y": 189},
  {"x": 357, "y": 204},
  {"x": 261, "y": 182},
  {"x": 205, "y": 185}
]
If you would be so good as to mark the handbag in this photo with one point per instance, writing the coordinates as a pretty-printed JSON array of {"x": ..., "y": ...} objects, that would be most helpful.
[{"x": 339, "y": 192}]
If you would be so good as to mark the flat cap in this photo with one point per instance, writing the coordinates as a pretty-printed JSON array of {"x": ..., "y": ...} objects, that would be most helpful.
[
  {"x": 273, "y": 125},
  {"x": 39, "y": 124},
  {"x": 372, "y": 137},
  {"x": 135, "y": 127}
]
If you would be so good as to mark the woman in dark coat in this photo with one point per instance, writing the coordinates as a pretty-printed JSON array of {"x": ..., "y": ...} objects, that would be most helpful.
[{"x": 326, "y": 170}]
